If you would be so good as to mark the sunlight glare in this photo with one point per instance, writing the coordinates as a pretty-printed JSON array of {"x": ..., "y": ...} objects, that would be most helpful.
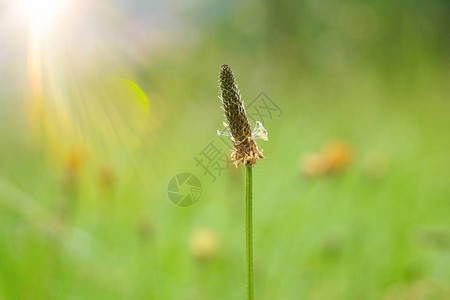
[{"x": 42, "y": 14}]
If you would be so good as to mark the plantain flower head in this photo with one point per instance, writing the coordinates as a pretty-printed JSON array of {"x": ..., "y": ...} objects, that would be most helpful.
[{"x": 237, "y": 126}]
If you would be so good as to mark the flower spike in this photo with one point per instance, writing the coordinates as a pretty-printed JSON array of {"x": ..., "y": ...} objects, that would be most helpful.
[{"x": 238, "y": 126}]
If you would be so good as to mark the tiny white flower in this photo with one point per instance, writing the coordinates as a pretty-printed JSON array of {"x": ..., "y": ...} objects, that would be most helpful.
[{"x": 260, "y": 132}]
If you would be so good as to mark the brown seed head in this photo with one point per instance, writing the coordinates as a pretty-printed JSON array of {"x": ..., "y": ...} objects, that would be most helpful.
[{"x": 246, "y": 150}]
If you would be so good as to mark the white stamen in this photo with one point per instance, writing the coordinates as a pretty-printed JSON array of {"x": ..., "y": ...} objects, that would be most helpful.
[
  {"x": 223, "y": 133},
  {"x": 260, "y": 132}
]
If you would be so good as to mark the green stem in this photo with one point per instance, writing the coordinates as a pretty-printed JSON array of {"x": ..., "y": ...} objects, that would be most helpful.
[{"x": 249, "y": 232}]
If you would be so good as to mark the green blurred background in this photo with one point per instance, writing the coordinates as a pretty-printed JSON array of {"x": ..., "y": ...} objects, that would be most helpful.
[{"x": 103, "y": 104}]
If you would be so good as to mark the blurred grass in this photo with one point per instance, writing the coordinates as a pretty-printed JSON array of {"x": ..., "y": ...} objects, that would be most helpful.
[{"x": 106, "y": 229}]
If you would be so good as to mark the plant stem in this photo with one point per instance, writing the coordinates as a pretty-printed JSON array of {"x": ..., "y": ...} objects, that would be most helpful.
[{"x": 249, "y": 231}]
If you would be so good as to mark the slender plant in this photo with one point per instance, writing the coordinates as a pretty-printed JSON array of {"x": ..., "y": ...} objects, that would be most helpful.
[{"x": 246, "y": 151}]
